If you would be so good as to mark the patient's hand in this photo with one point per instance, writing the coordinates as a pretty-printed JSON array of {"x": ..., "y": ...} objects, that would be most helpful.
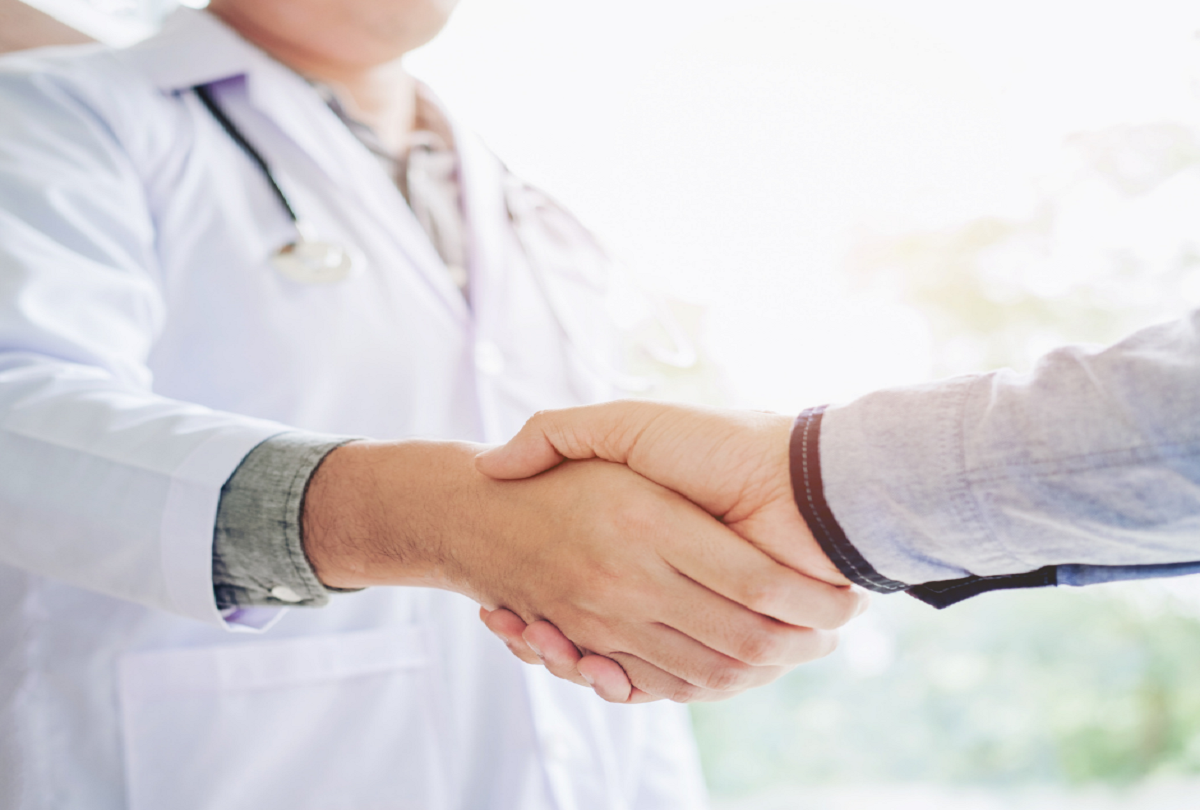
[{"x": 733, "y": 464}]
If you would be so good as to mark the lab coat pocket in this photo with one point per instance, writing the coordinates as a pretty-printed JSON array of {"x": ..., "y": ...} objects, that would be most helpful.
[{"x": 336, "y": 722}]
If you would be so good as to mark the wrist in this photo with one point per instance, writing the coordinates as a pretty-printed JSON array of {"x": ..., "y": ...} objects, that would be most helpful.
[
  {"x": 809, "y": 498},
  {"x": 754, "y": 448},
  {"x": 391, "y": 513}
]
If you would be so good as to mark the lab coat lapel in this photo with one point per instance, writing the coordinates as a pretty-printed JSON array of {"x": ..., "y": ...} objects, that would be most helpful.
[
  {"x": 481, "y": 177},
  {"x": 303, "y": 117}
]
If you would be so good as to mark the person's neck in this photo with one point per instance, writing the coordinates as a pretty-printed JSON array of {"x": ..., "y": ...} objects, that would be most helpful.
[
  {"x": 380, "y": 94},
  {"x": 385, "y": 99}
]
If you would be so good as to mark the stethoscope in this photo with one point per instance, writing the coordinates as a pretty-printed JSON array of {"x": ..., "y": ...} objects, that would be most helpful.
[{"x": 307, "y": 260}]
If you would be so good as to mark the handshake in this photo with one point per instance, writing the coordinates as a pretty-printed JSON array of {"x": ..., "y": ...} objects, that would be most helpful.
[
  {"x": 647, "y": 550},
  {"x": 658, "y": 551},
  {"x": 706, "y": 580}
]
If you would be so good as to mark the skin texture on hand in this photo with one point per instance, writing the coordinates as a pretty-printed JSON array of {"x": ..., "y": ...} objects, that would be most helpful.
[
  {"x": 733, "y": 464},
  {"x": 629, "y": 569}
]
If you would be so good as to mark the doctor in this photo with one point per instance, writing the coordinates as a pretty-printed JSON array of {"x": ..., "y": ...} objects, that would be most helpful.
[{"x": 226, "y": 256}]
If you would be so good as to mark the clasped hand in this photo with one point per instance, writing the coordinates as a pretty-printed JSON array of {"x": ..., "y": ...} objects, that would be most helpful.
[{"x": 697, "y": 586}]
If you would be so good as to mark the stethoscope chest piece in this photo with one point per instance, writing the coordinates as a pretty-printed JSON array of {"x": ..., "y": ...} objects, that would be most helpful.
[
  {"x": 313, "y": 262},
  {"x": 310, "y": 260}
]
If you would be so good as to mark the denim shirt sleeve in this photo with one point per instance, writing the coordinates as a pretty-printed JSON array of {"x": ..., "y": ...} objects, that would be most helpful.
[{"x": 1085, "y": 470}]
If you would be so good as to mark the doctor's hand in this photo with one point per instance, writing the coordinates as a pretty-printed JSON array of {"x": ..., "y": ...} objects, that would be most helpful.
[
  {"x": 733, "y": 464},
  {"x": 626, "y": 568}
]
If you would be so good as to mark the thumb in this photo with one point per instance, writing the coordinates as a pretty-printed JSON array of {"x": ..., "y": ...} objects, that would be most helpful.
[
  {"x": 549, "y": 437},
  {"x": 526, "y": 454}
]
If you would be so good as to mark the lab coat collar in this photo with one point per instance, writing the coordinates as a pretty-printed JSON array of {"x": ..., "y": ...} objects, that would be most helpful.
[{"x": 194, "y": 48}]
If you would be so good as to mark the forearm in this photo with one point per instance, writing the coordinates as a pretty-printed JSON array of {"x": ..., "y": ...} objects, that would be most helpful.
[
  {"x": 621, "y": 565},
  {"x": 305, "y": 514},
  {"x": 394, "y": 513},
  {"x": 1092, "y": 459}
]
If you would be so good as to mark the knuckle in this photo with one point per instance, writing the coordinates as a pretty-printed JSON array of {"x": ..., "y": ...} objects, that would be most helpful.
[
  {"x": 608, "y": 697},
  {"x": 728, "y": 677},
  {"x": 763, "y": 646},
  {"x": 764, "y": 597},
  {"x": 819, "y": 644},
  {"x": 631, "y": 518},
  {"x": 560, "y": 670},
  {"x": 838, "y": 611},
  {"x": 539, "y": 419},
  {"x": 602, "y": 595},
  {"x": 684, "y": 692}
]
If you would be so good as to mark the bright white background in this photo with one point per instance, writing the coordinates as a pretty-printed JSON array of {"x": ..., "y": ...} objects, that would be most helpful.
[
  {"x": 731, "y": 151},
  {"x": 736, "y": 152}
]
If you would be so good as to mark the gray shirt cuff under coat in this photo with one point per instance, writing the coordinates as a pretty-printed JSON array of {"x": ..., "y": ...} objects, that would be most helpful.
[{"x": 258, "y": 547}]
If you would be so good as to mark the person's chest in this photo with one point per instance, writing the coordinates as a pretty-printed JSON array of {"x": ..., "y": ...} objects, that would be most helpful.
[{"x": 393, "y": 348}]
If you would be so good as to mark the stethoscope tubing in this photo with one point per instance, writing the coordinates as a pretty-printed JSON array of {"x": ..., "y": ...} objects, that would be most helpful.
[
  {"x": 204, "y": 93},
  {"x": 681, "y": 356}
]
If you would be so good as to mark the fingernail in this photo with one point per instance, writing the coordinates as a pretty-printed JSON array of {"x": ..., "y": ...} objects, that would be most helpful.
[
  {"x": 590, "y": 680},
  {"x": 536, "y": 651}
]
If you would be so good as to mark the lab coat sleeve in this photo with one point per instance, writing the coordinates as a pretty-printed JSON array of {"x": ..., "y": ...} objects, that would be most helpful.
[
  {"x": 1085, "y": 470},
  {"x": 671, "y": 776},
  {"x": 103, "y": 484}
]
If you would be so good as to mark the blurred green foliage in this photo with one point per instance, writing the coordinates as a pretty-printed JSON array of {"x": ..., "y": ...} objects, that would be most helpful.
[
  {"x": 1054, "y": 686},
  {"x": 1068, "y": 687}
]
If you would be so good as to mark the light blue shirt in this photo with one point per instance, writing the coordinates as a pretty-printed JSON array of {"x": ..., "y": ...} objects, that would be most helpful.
[{"x": 1090, "y": 464}]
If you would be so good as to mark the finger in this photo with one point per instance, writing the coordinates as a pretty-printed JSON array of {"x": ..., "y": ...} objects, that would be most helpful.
[
  {"x": 558, "y": 654},
  {"x": 562, "y": 658},
  {"x": 504, "y": 623},
  {"x": 653, "y": 684},
  {"x": 704, "y": 601},
  {"x": 731, "y": 566},
  {"x": 508, "y": 626},
  {"x": 607, "y": 678},
  {"x": 717, "y": 627},
  {"x": 606, "y": 431},
  {"x": 528, "y": 453},
  {"x": 688, "y": 661},
  {"x": 611, "y": 682},
  {"x": 735, "y": 632}
]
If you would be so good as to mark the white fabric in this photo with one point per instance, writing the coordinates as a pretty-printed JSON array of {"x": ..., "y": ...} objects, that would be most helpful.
[{"x": 146, "y": 344}]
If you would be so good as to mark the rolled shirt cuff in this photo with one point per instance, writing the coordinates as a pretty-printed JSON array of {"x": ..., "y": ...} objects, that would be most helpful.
[
  {"x": 879, "y": 559},
  {"x": 258, "y": 545}
]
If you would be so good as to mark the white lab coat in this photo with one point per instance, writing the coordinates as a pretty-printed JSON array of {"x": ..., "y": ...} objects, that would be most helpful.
[{"x": 146, "y": 345}]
